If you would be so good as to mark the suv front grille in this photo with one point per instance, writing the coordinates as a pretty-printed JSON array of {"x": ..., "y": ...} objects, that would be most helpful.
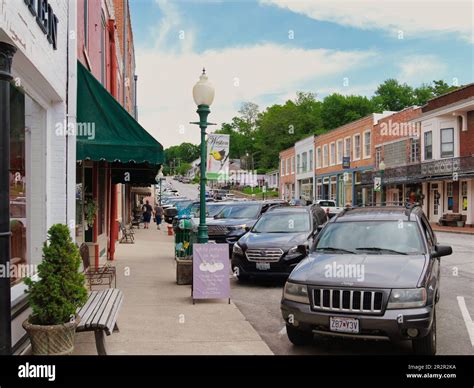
[
  {"x": 264, "y": 254},
  {"x": 356, "y": 301},
  {"x": 216, "y": 230}
]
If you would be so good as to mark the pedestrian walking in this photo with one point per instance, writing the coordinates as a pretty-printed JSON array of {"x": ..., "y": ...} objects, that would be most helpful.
[
  {"x": 147, "y": 211},
  {"x": 158, "y": 215}
]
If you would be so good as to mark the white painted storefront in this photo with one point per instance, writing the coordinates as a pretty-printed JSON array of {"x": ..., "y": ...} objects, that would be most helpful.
[
  {"x": 42, "y": 178},
  {"x": 304, "y": 160}
]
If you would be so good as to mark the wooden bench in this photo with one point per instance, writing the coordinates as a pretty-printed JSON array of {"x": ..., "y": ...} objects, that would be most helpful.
[
  {"x": 451, "y": 219},
  {"x": 97, "y": 276},
  {"x": 99, "y": 315}
]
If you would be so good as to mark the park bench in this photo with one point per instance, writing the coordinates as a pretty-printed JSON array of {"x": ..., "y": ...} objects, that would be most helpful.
[
  {"x": 97, "y": 276},
  {"x": 451, "y": 219},
  {"x": 128, "y": 234},
  {"x": 99, "y": 315}
]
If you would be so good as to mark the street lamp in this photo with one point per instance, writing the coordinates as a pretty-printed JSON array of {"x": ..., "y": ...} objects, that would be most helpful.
[
  {"x": 382, "y": 170},
  {"x": 159, "y": 178},
  {"x": 203, "y": 94}
]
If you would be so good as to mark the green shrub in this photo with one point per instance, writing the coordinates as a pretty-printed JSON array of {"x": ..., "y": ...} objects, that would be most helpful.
[{"x": 60, "y": 290}]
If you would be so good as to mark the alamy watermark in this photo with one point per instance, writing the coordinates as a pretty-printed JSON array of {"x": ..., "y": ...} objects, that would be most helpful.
[
  {"x": 345, "y": 271},
  {"x": 86, "y": 129},
  {"x": 402, "y": 129},
  {"x": 17, "y": 271}
]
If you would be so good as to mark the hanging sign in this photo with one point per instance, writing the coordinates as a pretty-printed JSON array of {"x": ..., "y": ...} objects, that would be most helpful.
[{"x": 217, "y": 157}]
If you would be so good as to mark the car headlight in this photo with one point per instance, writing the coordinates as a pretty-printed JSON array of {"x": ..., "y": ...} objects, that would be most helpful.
[
  {"x": 407, "y": 298},
  {"x": 237, "y": 249},
  {"x": 296, "y": 292},
  {"x": 237, "y": 227},
  {"x": 293, "y": 251}
]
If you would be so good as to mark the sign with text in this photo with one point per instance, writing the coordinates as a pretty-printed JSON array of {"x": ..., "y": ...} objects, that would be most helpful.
[
  {"x": 211, "y": 270},
  {"x": 217, "y": 157},
  {"x": 377, "y": 184},
  {"x": 346, "y": 162}
]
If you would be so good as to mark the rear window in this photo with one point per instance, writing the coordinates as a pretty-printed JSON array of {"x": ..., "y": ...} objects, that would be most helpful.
[
  {"x": 327, "y": 203},
  {"x": 239, "y": 211}
]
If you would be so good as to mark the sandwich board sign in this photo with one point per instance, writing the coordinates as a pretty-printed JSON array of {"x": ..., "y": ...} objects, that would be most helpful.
[{"x": 211, "y": 271}]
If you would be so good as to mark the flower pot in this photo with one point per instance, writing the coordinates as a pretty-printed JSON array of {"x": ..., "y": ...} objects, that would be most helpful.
[
  {"x": 460, "y": 223},
  {"x": 53, "y": 340},
  {"x": 184, "y": 271}
]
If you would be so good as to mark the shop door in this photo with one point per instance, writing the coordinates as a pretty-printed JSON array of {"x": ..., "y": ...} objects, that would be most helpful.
[{"x": 436, "y": 207}]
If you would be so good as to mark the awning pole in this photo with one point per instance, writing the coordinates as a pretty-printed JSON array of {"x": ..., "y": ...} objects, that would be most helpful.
[{"x": 6, "y": 56}]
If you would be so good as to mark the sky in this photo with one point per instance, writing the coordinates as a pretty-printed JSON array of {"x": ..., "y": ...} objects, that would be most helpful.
[{"x": 264, "y": 51}]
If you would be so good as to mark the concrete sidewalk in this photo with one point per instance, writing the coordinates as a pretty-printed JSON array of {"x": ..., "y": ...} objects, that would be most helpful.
[{"x": 157, "y": 315}]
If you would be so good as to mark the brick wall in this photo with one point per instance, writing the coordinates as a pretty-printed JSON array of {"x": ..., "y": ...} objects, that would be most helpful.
[
  {"x": 284, "y": 155},
  {"x": 351, "y": 129},
  {"x": 466, "y": 138},
  {"x": 450, "y": 98}
]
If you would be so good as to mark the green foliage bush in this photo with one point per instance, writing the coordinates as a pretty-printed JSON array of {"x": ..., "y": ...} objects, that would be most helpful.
[{"x": 60, "y": 291}]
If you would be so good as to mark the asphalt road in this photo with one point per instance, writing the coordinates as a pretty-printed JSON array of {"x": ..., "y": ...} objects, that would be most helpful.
[{"x": 259, "y": 301}]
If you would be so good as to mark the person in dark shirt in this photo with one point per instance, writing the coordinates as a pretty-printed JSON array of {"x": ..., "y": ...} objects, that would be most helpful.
[
  {"x": 158, "y": 215},
  {"x": 147, "y": 211}
]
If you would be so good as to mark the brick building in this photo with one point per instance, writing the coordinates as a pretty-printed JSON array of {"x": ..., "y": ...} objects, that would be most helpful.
[
  {"x": 343, "y": 155},
  {"x": 287, "y": 173}
]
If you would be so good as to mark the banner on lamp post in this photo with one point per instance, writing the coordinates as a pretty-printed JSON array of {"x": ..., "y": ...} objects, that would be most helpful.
[
  {"x": 211, "y": 270},
  {"x": 218, "y": 157},
  {"x": 377, "y": 184}
]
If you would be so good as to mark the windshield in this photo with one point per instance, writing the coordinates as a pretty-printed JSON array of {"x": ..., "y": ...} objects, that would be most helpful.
[
  {"x": 282, "y": 223},
  {"x": 371, "y": 237},
  {"x": 183, "y": 204},
  {"x": 239, "y": 211}
]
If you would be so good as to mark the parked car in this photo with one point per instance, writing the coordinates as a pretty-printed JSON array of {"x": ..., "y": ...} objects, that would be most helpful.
[
  {"x": 186, "y": 180},
  {"x": 236, "y": 219},
  {"x": 329, "y": 207},
  {"x": 277, "y": 242},
  {"x": 373, "y": 273},
  {"x": 169, "y": 212}
]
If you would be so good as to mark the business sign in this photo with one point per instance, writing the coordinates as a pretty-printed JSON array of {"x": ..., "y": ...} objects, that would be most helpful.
[
  {"x": 218, "y": 157},
  {"x": 45, "y": 18},
  {"x": 346, "y": 162},
  {"x": 377, "y": 184},
  {"x": 211, "y": 270}
]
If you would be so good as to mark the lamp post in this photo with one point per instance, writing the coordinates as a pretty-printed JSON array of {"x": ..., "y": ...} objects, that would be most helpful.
[
  {"x": 382, "y": 170},
  {"x": 203, "y": 94},
  {"x": 6, "y": 57}
]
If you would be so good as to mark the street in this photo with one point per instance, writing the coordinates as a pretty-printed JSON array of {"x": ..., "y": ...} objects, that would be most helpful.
[{"x": 259, "y": 301}]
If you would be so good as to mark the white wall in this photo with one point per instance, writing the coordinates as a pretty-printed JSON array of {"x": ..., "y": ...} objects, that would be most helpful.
[
  {"x": 435, "y": 125},
  {"x": 304, "y": 145}
]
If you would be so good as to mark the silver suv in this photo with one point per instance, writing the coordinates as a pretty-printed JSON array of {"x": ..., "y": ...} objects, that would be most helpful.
[{"x": 372, "y": 273}]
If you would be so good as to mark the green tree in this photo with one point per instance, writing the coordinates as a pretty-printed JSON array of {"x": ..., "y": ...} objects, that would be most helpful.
[
  {"x": 60, "y": 290},
  {"x": 183, "y": 168},
  {"x": 391, "y": 95},
  {"x": 338, "y": 110}
]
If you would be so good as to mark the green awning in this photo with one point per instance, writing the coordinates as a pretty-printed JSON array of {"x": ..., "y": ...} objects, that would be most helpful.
[{"x": 106, "y": 131}]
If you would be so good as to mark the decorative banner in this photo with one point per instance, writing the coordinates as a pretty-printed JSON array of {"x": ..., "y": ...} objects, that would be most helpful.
[
  {"x": 377, "y": 184},
  {"x": 218, "y": 157},
  {"x": 211, "y": 270}
]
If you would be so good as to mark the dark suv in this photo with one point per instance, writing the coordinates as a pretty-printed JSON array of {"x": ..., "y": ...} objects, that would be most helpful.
[
  {"x": 236, "y": 219},
  {"x": 277, "y": 242},
  {"x": 372, "y": 273}
]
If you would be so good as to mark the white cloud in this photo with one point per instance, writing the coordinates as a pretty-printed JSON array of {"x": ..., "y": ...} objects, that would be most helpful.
[
  {"x": 412, "y": 17},
  {"x": 418, "y": 67},
  {"x": 238, "y": 74}
]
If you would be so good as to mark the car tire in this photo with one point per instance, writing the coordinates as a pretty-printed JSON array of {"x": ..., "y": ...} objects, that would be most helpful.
[
  {"x": 426, "y": 345},
  {"x": 298, "y": 337}
]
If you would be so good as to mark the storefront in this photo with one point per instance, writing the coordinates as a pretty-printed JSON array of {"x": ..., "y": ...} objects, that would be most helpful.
[
  {"x": 42, "y": 152},
  {"x": 114, "y": 153}
]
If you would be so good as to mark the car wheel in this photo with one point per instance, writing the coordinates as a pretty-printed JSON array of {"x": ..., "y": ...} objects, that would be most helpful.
[
  {"x": 426, "y": 345},
  {"x": 298, "y": 337}
]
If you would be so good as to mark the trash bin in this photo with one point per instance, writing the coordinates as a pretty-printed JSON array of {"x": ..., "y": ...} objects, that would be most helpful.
[{"x": 185, "y": 237}]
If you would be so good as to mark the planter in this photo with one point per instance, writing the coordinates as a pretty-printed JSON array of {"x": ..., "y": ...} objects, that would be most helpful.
[
  {"x": 53, "y": 340},
  {"x": 460, "y": 223},
  {"x": 184, "y": 271}
]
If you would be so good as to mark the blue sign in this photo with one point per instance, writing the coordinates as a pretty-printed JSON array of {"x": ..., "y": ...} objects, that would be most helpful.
[{"x": 346, "y": 162}]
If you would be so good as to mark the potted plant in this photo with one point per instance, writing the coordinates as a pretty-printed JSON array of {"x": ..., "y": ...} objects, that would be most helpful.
[
  {"x": 55, "y": 297},
  {"x": 460, "y": 223},
  {"x": 90, "y": 210}
]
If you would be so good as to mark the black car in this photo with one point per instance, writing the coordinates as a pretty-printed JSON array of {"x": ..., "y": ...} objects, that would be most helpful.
[
  {"x": 277, "y": 242},
  {"x": 236, "y": 219},
  {"x": 170, "y": 212},
  {"x": 373, "y": 273}
]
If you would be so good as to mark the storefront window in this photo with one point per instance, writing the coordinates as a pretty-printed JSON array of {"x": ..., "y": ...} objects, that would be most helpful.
[
  {"x": 18, "y": 191},
  {"x": 101, "y": 200},
  {"x": 79, "y": 204},
  {"x": 347, "y": 188},
  {"x": 449, "y": 195},
  {"x": 333, "y": 187},
  {"x": 464, "y": 195}
]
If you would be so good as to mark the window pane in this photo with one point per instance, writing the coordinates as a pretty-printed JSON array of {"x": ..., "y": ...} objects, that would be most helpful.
[{"x": 447, "y": 135}]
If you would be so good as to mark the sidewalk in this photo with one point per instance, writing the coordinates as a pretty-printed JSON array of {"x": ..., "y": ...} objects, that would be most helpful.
[
  {"x": 452, "y": 229},
  {"x": 157, "y": 315}
]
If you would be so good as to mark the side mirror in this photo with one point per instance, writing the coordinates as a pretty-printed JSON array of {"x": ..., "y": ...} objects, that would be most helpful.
[
  {"x": 442, "y": 250},
  {"x": 303, "y": 249}
]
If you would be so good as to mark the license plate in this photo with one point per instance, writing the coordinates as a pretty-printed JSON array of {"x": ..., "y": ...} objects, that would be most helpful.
[
  {"x": 263, "y": 266},
  {"x": 344, "y": 325}
]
